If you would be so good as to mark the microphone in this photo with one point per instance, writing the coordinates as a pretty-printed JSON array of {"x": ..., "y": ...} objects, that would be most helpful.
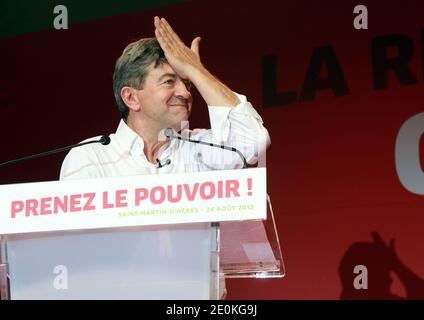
[
  {"x": 160, "y": 165},
  {"x": 104, "y": 140},
  {"x": 169, "y": 133}
]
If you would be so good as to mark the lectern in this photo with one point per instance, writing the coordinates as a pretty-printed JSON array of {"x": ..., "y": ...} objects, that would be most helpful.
[{"x": 174, "y": 236}]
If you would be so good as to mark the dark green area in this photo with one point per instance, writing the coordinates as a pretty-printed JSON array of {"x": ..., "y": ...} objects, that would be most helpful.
[{"x": 19, "y": 17}]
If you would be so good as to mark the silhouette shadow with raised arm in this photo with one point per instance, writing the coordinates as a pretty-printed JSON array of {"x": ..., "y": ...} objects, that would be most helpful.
[{"x": 380, "y": 260}]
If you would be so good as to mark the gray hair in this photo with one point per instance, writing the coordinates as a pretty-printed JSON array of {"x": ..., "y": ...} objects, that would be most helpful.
[{"x": 132, "y": 66}]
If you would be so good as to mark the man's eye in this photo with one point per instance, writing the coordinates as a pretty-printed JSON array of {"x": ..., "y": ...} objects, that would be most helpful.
[
  {"x": 170, "y": 81},
  {"x": 188, "y": 84}
]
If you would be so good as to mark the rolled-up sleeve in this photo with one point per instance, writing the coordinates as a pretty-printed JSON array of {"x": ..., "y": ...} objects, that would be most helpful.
[{"x": 240, "y": 127}]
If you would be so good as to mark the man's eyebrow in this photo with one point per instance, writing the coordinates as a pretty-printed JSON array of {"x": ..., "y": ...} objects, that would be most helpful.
[{"x": 172, "y": 75}]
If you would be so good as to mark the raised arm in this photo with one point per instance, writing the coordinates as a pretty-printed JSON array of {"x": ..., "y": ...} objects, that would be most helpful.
[{"x": 186, "y": 63}]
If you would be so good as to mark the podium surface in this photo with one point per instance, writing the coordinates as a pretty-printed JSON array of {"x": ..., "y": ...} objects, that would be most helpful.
[
  {"x": 172, "y": 263},
  {"x": 132, "y": 245}
]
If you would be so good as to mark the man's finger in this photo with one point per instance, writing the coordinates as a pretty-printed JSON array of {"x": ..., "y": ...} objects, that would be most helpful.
[
  {"x": 167, "y": 29},
  {"x": 195, "y": 45},
  {"x": 156, "y": 21},
  {"x": 160, "y": 39},
  {"x": 159, "y": 33}
]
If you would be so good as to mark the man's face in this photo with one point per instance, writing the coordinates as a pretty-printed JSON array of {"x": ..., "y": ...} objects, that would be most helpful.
[{"x": 165, "y": 98}]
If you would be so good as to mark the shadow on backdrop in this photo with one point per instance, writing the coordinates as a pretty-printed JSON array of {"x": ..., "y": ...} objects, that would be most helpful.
[{"x": 380, "y": 261}]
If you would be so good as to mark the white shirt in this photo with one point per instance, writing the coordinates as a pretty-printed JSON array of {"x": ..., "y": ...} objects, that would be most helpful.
[{"x": 240, "y": 127}]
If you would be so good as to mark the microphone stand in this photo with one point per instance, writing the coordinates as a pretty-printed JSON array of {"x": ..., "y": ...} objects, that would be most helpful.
[
  {"x": 170, "y": 134},
  {"x": 105, "y": 140}
]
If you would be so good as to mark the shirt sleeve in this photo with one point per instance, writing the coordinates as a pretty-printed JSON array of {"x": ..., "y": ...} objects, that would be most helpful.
[{"x": 240, "y": 127}]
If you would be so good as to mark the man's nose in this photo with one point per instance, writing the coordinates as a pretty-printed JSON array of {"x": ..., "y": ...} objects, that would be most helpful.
[{"x": 182, "y": 90}]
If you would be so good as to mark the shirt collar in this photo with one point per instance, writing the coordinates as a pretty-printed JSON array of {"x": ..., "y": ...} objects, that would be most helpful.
[{"x": 129, "y": 139}]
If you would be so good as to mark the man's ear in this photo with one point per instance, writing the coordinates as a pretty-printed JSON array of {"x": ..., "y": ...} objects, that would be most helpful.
[{"x": 130, "y": 98}]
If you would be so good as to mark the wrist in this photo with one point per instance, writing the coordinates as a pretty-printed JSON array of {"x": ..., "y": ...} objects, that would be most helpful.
[
  {"x": 198, "y": 74},
  {"x": 213, "y": 91}
]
